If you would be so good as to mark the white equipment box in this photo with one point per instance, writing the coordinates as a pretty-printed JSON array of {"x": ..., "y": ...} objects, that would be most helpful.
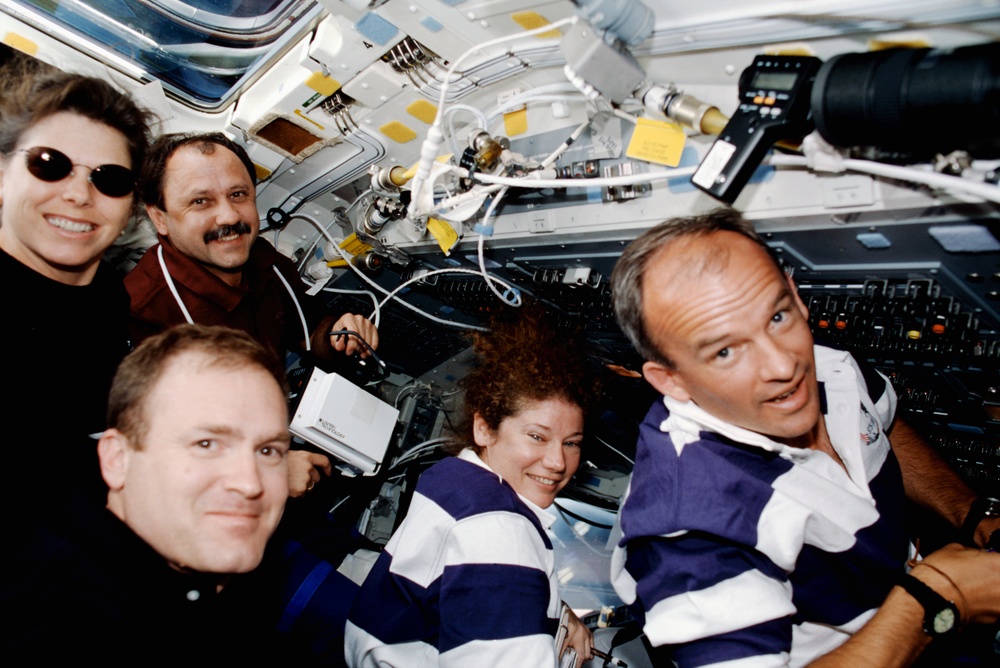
[{"x": 344, "y": 420}]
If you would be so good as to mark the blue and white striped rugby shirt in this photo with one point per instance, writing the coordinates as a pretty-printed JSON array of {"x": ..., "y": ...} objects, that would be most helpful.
[
  {"x": 468, "y": 579},
  {"x": 743, "y": 552}
]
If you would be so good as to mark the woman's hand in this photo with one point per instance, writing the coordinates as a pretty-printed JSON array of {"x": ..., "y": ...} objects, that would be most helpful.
[{"x": 579, "y": 637}]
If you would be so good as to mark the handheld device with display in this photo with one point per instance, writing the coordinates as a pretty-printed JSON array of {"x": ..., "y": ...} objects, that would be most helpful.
[{"x": 774, "y": 105}]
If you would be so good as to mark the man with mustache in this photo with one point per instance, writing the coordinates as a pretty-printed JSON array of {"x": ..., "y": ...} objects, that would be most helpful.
[
  {"x": 210, "y": 267},
  {"x": 765, "y": 522}
]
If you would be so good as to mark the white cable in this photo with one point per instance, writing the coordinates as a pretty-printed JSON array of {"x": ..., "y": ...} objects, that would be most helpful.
[
  {"x": 490, "y": 282},
  {"x": 614, "y": 449},
  {"x": 364, "y": 194},
  {"x": 984, "y": 191},
  {"x": 580, "y": 129},
  {"x": 377, "y": 313},
  {"x": 449, "y": 116},
  {"x": 170, "y": 285},
  {"x": 572, "y": 20},
  {"x": 449, "y": 323},
  {"x": 376, "y": 316},
  {"x": 315, "y": 223},
  {"x": 516, "y": 103},
  {"x": 627, "y": 180},
  {"x": 934, "y": 179},
  {"x": 516, "y": 301},
  {"x": 558, "y": 88},
  {"x": 344, "y": 291},
  {"x": 452, "y": 202},
  {"x": 298, "y": 307},
  {"x": 412, "y": 386},
  {"x": 419, "y": 448},
  {"x": 308, "y": 254},
  {"x": 169, "y": 280},
  {"x": 435, "y": 137},
  {"x": 306, "y": 217},
  {"x": 631, "y": 118},
  {"x": 448, "y": 270},
  {"x": 480, "y": 116}
]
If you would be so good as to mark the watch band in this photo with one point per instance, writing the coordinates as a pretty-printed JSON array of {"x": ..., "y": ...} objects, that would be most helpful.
[
  {"x": 940, "y": 615},
  {"x": 993, "y": 544},
  {"x": 981, "y": 508}
]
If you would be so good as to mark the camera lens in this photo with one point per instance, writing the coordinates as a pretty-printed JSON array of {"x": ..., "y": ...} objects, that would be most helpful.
[{"x": 920, "y": 101}]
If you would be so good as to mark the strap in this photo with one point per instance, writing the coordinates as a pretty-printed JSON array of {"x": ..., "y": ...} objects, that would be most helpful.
[
  {"x": 187, "y": 316},
  {"x": 170, "y": 285},
  {"x": 981, "y": 508},
  {"x": 304, "y": 593}
]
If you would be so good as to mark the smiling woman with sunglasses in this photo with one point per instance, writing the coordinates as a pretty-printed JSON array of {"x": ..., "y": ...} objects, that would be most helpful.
[{"x": 69, "y": 149}]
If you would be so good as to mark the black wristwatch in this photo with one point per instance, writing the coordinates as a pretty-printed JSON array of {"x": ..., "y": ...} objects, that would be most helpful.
[
  {"x": 983, "y": 507},
  {"x": 940, "y": 615}
]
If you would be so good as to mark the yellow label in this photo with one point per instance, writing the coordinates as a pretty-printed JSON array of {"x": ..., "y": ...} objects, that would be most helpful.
[
  {"x": 423, "y": 110},
  {"x": 515, "y": 122},
  {"x": 15, "y": 41},
  {"x": 532, "y": 20},
  {"x": 355, "y": 246},
  {"x": 263, "y": 173},
  {"x": 903, "y": 40},
  {"x": 298, "y": 112},
  {"x": 656, "y": 141},
  {"x": 322, "y": 84},
  {"x": 411, "y": 172},
  {"x": 398, "y": 132},
  {"x": 788, "y": 49},
  {"x": 445, "y": 234}
]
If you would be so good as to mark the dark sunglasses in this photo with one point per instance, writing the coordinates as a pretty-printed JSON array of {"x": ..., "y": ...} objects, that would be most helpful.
[{"x": 51, "y": 165}]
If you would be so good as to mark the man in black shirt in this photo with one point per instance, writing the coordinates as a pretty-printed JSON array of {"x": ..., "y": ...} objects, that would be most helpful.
[{"x": 195, "y": 462}]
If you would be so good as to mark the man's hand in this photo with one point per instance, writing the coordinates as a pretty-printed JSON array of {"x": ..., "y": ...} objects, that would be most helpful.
[
  {"x": 304, "y": 471},
  {"x": 350, "y": 344},
  {"x": 967, "y": 576},
  {"x": 984, "y": 530},
  {"x": 326, "y": 345},
  {"x": 894, "y": 637}
]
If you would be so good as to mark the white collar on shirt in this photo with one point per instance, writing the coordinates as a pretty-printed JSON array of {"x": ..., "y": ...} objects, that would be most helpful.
[
  {"x": 547, "y": 520},
  {"x": 687, "y": 419}
]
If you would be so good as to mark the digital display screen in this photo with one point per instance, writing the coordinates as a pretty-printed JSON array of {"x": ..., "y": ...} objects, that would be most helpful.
[{"x": 774, "y": 80}]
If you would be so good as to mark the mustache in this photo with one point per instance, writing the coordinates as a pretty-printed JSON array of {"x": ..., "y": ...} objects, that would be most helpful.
[{"x": 226, "y": 230}]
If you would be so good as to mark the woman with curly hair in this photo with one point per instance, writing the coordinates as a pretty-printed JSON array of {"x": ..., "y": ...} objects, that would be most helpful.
[{"x": 468, "y": 578}]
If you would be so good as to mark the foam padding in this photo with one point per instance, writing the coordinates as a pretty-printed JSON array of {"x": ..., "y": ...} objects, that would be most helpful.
[
  {"x": 422, "y": 110},
  {"x": 376, "y": 29},
  {"x": 965, "y": 238},
  {"x": 515, "y": 122},
  {"x": 21, "y": 43},
  {"x": 398, "y": 132},
  {"x": 532, "y": 20},
  {"x": 322, "y": 84}
]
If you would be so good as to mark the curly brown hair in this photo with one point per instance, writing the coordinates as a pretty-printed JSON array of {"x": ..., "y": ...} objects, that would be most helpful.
[{"x": 525, "y": 357}]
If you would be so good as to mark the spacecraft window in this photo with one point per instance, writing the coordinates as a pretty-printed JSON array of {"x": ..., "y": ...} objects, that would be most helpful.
[{"x": 203, "y": 51}]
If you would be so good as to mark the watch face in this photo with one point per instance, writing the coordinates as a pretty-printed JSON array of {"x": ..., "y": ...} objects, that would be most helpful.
[{"x": 944, "y": 621}]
